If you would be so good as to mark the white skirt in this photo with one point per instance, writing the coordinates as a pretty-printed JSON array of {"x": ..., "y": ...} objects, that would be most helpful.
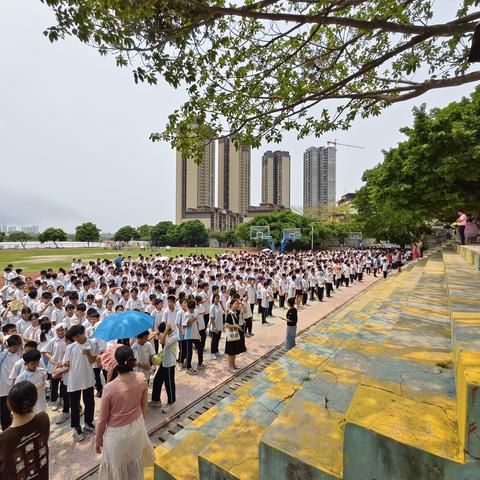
[{"x": 126, "y": 452}]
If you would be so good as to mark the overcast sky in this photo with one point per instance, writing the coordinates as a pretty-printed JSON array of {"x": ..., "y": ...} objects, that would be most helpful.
[{"x": 74, "y": 134}]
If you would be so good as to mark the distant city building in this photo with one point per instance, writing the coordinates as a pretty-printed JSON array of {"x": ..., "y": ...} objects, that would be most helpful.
[
  {"x": 233, "y": 176},
  {"x": 263, "y": 209},
  {"x": 195, "y": 183},
  {"x": 346, "y": 197},
  {"x": 214, "y": 218},
  {"x": 32, "y": 230},
  {"x": 319, "y": 177},
  {"x": 276, "y": 178}
]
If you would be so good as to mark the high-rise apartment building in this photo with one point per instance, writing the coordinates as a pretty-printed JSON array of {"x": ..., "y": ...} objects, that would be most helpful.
[
  {"x": 195, "y": 183},
  {"x": 276, "y": 178},
  {"x": 233, "y": 176},
  {"x": 319, "y": 177}
]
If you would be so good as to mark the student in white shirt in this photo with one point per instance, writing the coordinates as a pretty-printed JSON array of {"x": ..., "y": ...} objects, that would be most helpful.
[
  {"x": 79, "y": 359},
  {"x": 143, "y": 353},
  {"x": 55, "y": 351},
  {"x": 8, "y": 358},
  {"x": 58, "y": 313},
  {"x": 37, "y": 375}
]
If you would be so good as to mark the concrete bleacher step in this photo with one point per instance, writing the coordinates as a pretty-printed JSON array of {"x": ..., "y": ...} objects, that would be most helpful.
[
  {"x": 326, "y": 379},
  {"x": 425, "y": 429},
  {"x": 308, "y": 435},
  {"x": 464, "y": 299},
  {"x": 224, "y": 442}
]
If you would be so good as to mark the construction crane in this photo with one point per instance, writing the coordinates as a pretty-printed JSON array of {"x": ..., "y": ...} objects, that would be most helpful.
[{"x": 335, "y": 143}]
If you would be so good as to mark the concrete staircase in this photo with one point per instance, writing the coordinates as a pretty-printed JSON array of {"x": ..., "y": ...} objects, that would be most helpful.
[{"x": 368, "y": 393}]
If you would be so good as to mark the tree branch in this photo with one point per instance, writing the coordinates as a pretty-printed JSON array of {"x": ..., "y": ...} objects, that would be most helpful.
[{"x": 447, "y": 29}]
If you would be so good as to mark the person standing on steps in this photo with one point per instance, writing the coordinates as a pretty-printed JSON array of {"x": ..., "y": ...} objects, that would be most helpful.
[
  {"x": 291, "y": 319},
  {"x": 462, "y": 223}
]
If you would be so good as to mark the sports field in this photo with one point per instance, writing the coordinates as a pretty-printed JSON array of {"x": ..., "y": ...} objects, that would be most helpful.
[{"x": 34, "y": 260}]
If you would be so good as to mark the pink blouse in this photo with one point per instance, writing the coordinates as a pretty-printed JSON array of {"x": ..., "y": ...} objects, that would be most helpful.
[{"x": 123, "y": 401}]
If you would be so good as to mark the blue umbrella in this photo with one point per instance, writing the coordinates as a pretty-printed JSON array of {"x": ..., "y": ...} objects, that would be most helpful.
[{"x": 123, "y": 325}]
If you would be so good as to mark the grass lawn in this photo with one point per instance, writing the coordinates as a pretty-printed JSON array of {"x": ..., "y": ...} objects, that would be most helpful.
[{"x": 34, "y": 260}]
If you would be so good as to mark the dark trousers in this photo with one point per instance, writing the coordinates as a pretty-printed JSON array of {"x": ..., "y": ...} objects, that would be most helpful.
[
  {"x": 164, "y": 375},
  {"x": 264, "y": 313},
  {"x": 252, "y": 308},
  {"x": 200, "y": 345},
  {"x": 89, "y": 404},
  {"x": 155, "y": 343},
  {"x": 5, "y": 414},
  {"x": 54, "y": 384},
  {"x": 320, "y": 293},
  {"x": 312, "y": 293},
  {"x": 346, "y": 280},
  {"x": 189, "y": 352},
  {"x": 385, "y": 273},
  {"x": 215, "y": 341},
  {"x": 182, "y": 351},
  {"x": 98, "y": 380},
  {"x": 282, "y": 300},
  {"x": 66, "y": 398},
  {"x": 461, "y": 232},
  {"x": 248, "y": 324},
  {"x": 304, "y": 298},
  {"x": 270, "y": 308},
  {"x": 260, "y": 308},
  {"x": 329, "y": 288}
]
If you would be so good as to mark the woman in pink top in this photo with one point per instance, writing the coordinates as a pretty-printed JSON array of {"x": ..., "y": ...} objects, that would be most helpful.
[
  {"x": 462, "y": 223},
  {"x": 121, "y": 433}
]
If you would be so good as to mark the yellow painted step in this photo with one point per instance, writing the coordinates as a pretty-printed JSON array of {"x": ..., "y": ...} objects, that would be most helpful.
[
  {"x": 234, "y": 452},
  {"x": 424, "y": 425},
  {"x": 181, "y": 461},
  {"x": 306, "y": 438}
]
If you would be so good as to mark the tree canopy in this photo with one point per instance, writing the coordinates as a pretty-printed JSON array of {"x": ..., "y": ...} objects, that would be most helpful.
[
  {"x": 253, "y": 69},
  {"x": 159, "y": 233},
  {"x": 52, "y": 235},
  {"x": 144, "y": 232},
  {"x": 87, "y": 232},
  {"x": 126, "y": 234},
  {"x": 426, "y": 178},
  {"x": 21, "y": 237}
]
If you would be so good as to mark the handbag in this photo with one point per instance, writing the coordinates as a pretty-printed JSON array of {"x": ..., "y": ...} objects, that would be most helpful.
[{"x": 232, "y": 335}]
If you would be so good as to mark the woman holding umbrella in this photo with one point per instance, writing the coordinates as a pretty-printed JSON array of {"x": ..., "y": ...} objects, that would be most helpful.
[{"x": 121, "y": 432}]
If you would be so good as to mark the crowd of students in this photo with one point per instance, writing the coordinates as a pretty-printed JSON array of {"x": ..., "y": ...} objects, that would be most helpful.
[{"x": 48, "y": 322}]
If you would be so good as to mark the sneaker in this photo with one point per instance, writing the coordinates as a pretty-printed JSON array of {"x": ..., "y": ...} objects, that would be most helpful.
[
  {"x": 181, "y": 367},
  {"x": 202, "y": 366},
  {"x": 167, "y": 408},
  {"x": 63, "y": 417},
  {"x": 155, "y": 404},
  {"x": 252, "y": 334},
  {"x": 78, "y": 437},
  {"x": 213, "y": 356},
  {"x": 81, "y": 411},
  {"x": 89, "y": 427},
  {"x": 191, "y": 371},
  {"x": 54, "y": 407}
]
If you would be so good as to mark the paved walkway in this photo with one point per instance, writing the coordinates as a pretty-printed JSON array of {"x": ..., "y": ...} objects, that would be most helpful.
[{"x": 73, "y": 460}]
